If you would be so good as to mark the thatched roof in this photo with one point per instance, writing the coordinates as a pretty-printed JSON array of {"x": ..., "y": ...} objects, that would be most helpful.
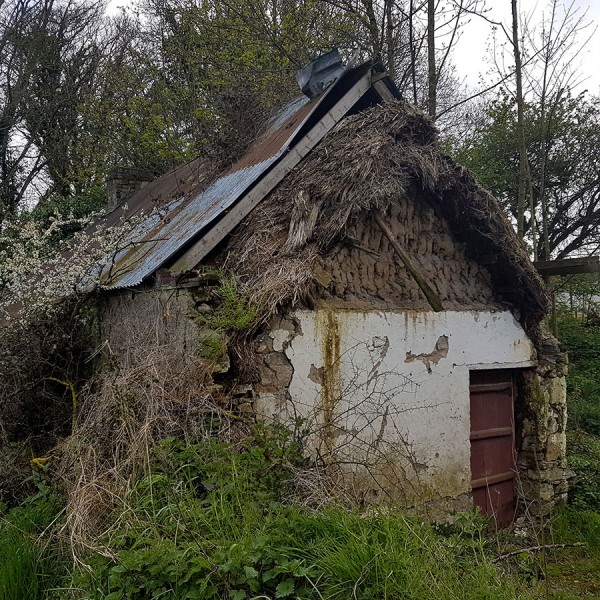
[
  {"x": 321, "y": 167},
  {"x": 372, "y": 160}
]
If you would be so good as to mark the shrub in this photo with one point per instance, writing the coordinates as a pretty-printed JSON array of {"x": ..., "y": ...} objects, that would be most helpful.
[
  {"x": 34, "y": 358},
  {"x": 15, "y": 473},
  {"x": 582, "y": 340},
  {"x": 74, "y": 210}
]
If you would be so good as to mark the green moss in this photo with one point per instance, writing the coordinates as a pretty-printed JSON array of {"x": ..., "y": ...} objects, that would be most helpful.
[{"x": 534, "y": 395}]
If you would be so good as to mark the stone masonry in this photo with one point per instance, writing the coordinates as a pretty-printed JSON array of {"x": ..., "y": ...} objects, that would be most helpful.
[{"x": 541, "y": 418}]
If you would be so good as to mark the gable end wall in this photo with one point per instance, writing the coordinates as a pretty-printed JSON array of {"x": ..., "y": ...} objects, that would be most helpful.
[{"x": 366, "y": 270}]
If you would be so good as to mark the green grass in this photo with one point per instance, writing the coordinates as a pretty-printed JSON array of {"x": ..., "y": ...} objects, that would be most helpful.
[
  {"x": 29, "y": 567},
  {"x": 18, "y": 571},
  {"x": 211, "y": 521},
  {"x": 573, "y": 572},
  {"x": 214, "y": 520}
]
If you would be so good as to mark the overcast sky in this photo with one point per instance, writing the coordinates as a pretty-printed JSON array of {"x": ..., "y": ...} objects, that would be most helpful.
[{"x": 472, "y": 55}]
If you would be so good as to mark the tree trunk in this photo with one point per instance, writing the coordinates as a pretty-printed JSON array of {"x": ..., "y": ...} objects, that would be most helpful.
[
  {"x": 413, "y": 52},
  {"x": 432, "y": 76},
  {"x": 373, "y": 30},
  {"x": 520, "y": 128},
  {"x": 389, "y": 40}
]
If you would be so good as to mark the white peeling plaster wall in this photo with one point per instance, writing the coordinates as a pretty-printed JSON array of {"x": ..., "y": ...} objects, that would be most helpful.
[{"x": 396, "y": 384}]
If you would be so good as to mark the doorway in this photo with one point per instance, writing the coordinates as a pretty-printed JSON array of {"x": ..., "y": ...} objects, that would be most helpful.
[{"x": 493, "y": 466}]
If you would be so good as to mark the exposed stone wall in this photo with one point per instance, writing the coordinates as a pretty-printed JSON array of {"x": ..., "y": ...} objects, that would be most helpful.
[
  {"x": 367, "y": 272},
  {"x": 366, "y": 276},
  {"x": 153, "y": 321},
  {"x": 136, "y": 322},
  {"x": 123, "y": 182},
  {"x": 271, "y": 396},
  {"x": 541, "y": 417}
]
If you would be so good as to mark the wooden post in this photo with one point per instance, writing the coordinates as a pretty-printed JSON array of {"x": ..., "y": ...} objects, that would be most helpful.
[{"x": 430, "y": 294}]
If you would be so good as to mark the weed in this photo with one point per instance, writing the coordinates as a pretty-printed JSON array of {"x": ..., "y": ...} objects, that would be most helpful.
[
  {"x": 236, "y": 311},
  {"x": 213, "y": 346},
  {"x": 212, "y": 520}
]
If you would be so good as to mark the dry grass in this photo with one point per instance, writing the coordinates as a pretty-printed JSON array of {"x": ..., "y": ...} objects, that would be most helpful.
[{"x": 123, "y": 415}]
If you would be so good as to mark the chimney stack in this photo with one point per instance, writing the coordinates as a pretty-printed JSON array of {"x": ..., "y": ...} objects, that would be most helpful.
[{"x": 123, "y": 182}]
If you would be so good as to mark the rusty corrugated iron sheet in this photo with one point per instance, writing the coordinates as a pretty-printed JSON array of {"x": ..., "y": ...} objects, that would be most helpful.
[
  {"x": 183, "y": 206},
  {"x": 178, "y": 183}
]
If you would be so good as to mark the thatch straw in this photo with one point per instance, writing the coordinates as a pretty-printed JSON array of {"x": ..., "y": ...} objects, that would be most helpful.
[{"x": 372, "y": 160}]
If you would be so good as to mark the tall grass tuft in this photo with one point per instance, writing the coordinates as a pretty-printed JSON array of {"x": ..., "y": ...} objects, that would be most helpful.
[{"x": 28, "y": 566}]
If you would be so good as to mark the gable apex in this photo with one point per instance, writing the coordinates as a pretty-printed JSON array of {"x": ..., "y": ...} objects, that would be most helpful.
[{"x": 197, "y": 222}]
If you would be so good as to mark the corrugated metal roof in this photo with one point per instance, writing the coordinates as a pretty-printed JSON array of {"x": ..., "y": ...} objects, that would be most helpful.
[
  {"x": 160, "y": 236},
  {"x": 178, "y": 183},
  {"x": 189, "y": 199}
]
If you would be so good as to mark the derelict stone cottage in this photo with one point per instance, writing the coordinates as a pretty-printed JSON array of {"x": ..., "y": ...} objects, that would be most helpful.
[{"x": 401, "y": 318}]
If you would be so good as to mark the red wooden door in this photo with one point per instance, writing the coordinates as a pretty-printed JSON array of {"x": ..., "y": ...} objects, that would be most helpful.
[{"x": 493, "y": 469}]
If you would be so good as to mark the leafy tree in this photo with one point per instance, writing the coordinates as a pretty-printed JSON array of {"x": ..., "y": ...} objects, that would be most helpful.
[
  {"x": 565, "y": 141},
  {"x": 579, "y": 296},
  {"x": 218, "y": 69},
  {"x": 49, "y": 57},
  {"x": 542, "y": 76},
  {"x": 173, "y": 79}
]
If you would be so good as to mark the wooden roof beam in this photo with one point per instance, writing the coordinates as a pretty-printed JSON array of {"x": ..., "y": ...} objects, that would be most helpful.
[{"x": 568, "y": 266}]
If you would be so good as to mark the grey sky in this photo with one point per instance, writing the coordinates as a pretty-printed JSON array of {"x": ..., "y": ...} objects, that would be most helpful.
[{"x": 472, "y": 55}]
